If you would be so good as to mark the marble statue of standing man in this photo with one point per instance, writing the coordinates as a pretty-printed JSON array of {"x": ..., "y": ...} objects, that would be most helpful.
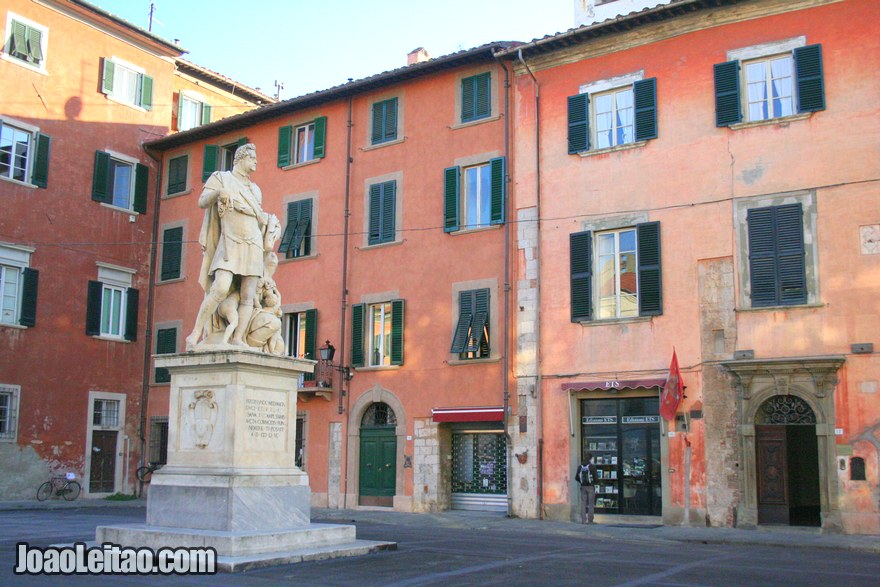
[{"x": 234, "y": 238}]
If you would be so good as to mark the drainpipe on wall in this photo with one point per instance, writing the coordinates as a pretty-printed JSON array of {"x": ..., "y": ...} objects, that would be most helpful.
[
  {"x": 539, "y": 403},
  {"x": 148, "y": 331},
  {"x": 505, "y": 357},
  {"x": 343, "y": 393}
]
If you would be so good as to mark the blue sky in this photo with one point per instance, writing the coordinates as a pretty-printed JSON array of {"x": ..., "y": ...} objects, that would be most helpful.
[{"x": 311, "y": 45}]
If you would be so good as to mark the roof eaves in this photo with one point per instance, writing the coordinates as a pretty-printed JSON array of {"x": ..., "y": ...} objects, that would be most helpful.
[
  {"x": 132, "y": 27},
  {"x": 217, "y": 78},
  {"x": 485, "y": 52}
]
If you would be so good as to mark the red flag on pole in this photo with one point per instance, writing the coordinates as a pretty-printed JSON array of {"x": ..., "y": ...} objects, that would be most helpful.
[{"x": 673, "y": 392}]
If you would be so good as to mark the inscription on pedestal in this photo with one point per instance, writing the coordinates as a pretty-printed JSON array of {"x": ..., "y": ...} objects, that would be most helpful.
[{"x": 265, "y": 420}]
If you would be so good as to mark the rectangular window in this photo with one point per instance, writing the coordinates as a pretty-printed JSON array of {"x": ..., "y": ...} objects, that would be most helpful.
[
  {"x": 220, "y": 157},
  {"x": 377, "y": 334},
  {"x": 10, "y": 293},
  {"x": 624, "y": 278},
  {"x": 384, "y": 121},
  {"x": 777, "y": 262},
  {"x": 106, "y": 413},
  {"x": 24, "y": 153},
  {"x": 191, "y": 112},
  {"x": 112, "y": 305},
  {"x": 172, "y": 253},
  {"x": 227, "y": 156},
  {"x": 26, "y": 42},
  {"x": 483, "y": 202},
  {"x": 8, "y": 412},
  {"x": 159, "y": 440},
  {"x": 296, "y": 241},
  {"x": 112, "y": 311},
  {"x": 18, "y": 287},
  {"x": 300, "y": 442},
  {"x": 120, "y": 181},
  {"x": 766, "y": 84},
  {"x": 178, "y": 168},
  {"x": 126, "y": 83},
  {"x": 304, "y": 143},
  {"x": 471, "y": 337},
  {"x": 476, "y": 102},
  {"x": 607, "y": 114},
  {"x": 382, "y": 213},
  {"x": 166, "y": 344}
]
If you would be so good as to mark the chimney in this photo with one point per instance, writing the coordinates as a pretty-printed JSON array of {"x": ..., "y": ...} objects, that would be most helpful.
[{"x": 417, "y": 56}]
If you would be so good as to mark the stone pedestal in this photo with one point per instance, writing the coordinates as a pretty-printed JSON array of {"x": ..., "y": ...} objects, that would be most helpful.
[{"x": 230, "y": 482}]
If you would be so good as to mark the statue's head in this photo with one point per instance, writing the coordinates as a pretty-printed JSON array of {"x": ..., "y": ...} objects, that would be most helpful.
[{"x": 248, "y": 150}]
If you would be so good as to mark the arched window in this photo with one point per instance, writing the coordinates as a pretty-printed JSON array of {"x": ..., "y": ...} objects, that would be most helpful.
[
  {"x": 379, "y": 415},
  {"x": 857, "y": 469},
  {"x": 785, "y": 409}
]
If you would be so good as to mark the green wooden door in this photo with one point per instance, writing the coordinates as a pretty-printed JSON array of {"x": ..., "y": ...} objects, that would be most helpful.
[{"x": 378, "y": 471}]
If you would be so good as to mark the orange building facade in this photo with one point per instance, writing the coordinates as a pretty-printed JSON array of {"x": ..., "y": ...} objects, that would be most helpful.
[
  {"x": 82, "y": 92},
  {"x": 392, "y": 192},
  {"x": 696, "y": 196}
]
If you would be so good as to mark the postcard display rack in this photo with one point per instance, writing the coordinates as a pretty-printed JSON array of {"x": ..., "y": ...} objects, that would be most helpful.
[{"x": 604, "y": 450}]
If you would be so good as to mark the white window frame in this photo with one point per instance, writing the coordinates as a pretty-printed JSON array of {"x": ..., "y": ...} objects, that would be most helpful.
[
  {"x": 618, "y": 296},
  {"x": 611, "y": 86},
  {"x": 199, "y": 101},
  {"x": 766, "y": 52},
  {"x": 31, "y": 131},
  {"x": 132, "y": 163},
  {"x": 44, "y": 43},
  {"x": 114, "y": 279},
  {"x": 382, "y": 346},
  {"x": 484, "y": 172},
  {"x": 767, "y": 81},
  {"x": 116, "y": 94},
  {"x": 10, "y": 417},
  {"x": 17, "y": 259},
  {"x": 295, "y": 322},
  {"x": 309, "y": 134}
]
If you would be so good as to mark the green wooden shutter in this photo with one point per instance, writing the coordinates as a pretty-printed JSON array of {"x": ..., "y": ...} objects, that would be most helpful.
[
  {"x": 578, "y": 123},
  {"x": 320, "y": 136},
  {"x": 477, "y": 341},
  {"x": 30, "y": 285},
  {"x": 451, "y": 190},
  {"x": 166, "y": 344},
  {"x": 397, "y": 307},
  {"x": 311, "y": 339},
  {"x": 810, "y": 79},
  {"x": 390, "y": 126},
  {"x": 172, "y": 250},
  {"x": 285, "y": 136},
  {"x": 209, "y": 163},
  {"x": 645, "y": 100},
  {"x": 146, "y": 92},
  {"x": 179, "y": 108},
  {"x": 727, "y": 101},
  {"x": 93, "y": 308},
  {"x": 357, "y": 335},
  {"x": 131, "y": 315},
  {"x": 35, "y": 45},
  {"x": 650, "y": 269},
  {"x": 581, "y": 247},
  {"x": 177, "y": 170},
  {"x": 790, "y": 254},
  {"x": 241, "y": 142},
  {"x": 19, "y": 39},
  {"x": 465, "y": 317},
  {"x": 206, "y": 113},
  {"x": 762, "y": 257},
  {"x": 40, "y": 175},
  {"x": 498, "y": 182},
  {"x": 377, "y": 134},
  {"x": 483, "y": 102},
  {"x": 141, "y": 181},
  {"x": 107, "y": 75},
  {"x": 289, "y": 230},
  {"x": 389, "y": 193},
  {"x": 304, "y": 214},
  {"x": 101, "y": 178},
  {"x": 375, "y": 223},
  {"x": 468, "y": 99}
]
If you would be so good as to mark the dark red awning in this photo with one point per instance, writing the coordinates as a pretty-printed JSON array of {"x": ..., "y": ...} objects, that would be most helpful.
[
  {"x": 609, "y": 384},
  {"x": 476, "y": 414}
]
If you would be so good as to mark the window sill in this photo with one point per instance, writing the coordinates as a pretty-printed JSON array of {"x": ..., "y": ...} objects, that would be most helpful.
[
  {"x": 460, "y": 362},
  {"x": 378, "y": 368},
  {"x": 15, "y": 326},
  {"x": 177, "y": 194},
  {"x": 19, "y": 182},
  {"x": 781, "y": 308},
  {"x": 118, "y": 209},
  {"x": 36, "y": 69},
  {"x": 461, "y": 231},
  {"x": 302, "y": 164},
  {"x": 781, "y": 121},
  {"x": 110, "y": 338},
  {"x": 615, "y": 149},
  {"x": 382, "y": 245},
  {"x": 384, "y": 144},
  {"x": 459, "y": 125},
  {"x": 283, "y": 260},
  {"x": 167, "y": 281},
  {"x": 615, "y": 321},
  {"x": 124, "y": 103}
]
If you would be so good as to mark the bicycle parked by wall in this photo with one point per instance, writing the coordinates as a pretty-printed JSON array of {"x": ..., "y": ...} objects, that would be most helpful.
[
  {"x": 65, "y": 486},
  {"x": 145, "y": 473}
]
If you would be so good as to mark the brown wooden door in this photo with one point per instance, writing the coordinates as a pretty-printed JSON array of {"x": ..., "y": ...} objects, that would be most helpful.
[
  {"x": 772, "y": 472},
  {"x": 102, "y": 476}
]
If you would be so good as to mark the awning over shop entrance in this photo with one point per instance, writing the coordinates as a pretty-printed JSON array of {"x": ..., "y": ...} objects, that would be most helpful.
[
  {"x": 475, "y": 414},
  {"x": 614, "y": 384}
]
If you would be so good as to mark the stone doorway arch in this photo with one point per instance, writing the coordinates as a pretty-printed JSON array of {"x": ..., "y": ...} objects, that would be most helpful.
[{"x": 810, "y": 379}]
